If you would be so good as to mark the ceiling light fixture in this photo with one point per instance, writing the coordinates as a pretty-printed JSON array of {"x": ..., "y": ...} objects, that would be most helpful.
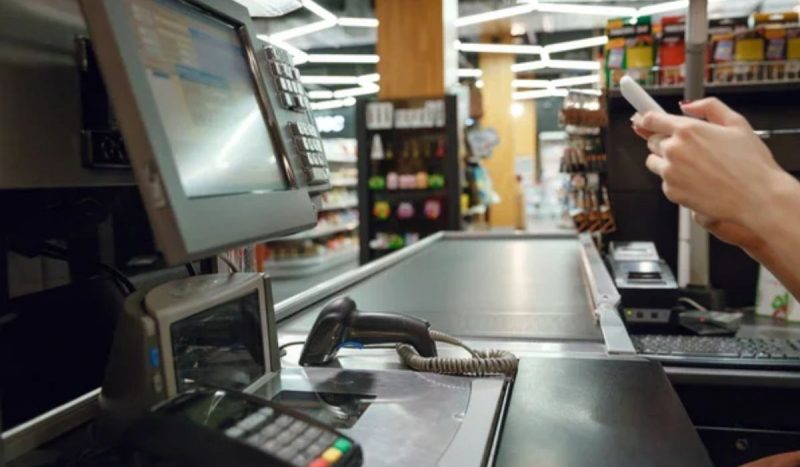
[
  {"x": 589, "y": 65},
  {"x": 496, "y": 14},
  {"x": 581, "y": 9},
  {"x": 343, "y": 58},
  {"x": 304, "y": 29},
  {"x": 530, "y": 83},
  {"x": 363, "y": 90},
  {"x": 333, "y": 104},
  {"x": 662, "y": 8},
  {"x": 539, "y": 93},
  {"x": 575, "y": 81},
  {"x": 315, "y": 8},
  {"x": 320, "y": 94},
  {"x": 358, "y": 22},
  {"x": 499, "y": 48},
  {"x": 329, "y": 79},
  {"x": 469, "y": 73},
  {"x": 576, "y": 44},
  {"x": 479, "y": 84}
]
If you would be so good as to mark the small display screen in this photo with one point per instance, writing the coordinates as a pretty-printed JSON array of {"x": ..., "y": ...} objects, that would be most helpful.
[
  {"x": 222, "y": 346},
  {"x": 204, "y": 89},
  {"x": 333, "y": 409}
]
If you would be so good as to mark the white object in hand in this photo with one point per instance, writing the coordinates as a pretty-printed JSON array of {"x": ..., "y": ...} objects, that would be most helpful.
[{"x": 637, "y": 96}]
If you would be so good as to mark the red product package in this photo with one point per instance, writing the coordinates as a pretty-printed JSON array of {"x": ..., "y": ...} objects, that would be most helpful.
[{"x": 671, "y": 50}]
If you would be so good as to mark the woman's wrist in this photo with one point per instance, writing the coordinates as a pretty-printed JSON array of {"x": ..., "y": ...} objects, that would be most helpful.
[{"x": 778, "y": 204}]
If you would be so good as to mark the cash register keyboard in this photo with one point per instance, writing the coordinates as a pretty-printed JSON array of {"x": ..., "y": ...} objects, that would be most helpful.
[{"x": 724, "y": 352}]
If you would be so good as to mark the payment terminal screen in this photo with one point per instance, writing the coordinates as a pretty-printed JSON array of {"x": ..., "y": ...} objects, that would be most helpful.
[
  {"x": 221, "y": 346},
  {"x": 206, "y": 98}
]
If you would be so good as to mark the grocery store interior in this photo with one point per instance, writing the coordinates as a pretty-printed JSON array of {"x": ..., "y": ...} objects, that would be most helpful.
[{"x": 399, "y": 232}]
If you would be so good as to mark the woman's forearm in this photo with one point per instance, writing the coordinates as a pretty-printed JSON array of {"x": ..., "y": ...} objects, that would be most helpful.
[{"x": 779, "y": 222}]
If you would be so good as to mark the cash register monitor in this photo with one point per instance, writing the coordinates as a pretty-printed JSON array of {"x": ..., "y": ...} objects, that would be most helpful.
[{"x": 196, "y": 118}]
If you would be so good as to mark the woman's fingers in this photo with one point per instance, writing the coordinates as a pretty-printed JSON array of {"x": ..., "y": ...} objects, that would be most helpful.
[
  {"x": 657, "y": 122},
  {"x": 715, "y": 111},
  {"x": 656, "y": 164}
]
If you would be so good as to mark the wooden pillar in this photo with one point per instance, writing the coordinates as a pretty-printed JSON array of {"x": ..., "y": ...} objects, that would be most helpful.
[
  {"x": 497, "y": 76},
  {"x": 415, "y": 46}
]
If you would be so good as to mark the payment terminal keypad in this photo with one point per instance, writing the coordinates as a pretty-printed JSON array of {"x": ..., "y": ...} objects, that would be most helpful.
[
  {"x": 285, "y": 437},
  {"x": 287, "y": 80}
]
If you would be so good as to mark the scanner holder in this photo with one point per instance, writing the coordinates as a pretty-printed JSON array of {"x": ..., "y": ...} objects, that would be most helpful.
[{"x": 340, "y": 324}]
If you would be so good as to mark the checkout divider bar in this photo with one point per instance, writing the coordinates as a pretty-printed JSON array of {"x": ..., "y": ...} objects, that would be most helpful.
[{"x": 605, "y": 299}]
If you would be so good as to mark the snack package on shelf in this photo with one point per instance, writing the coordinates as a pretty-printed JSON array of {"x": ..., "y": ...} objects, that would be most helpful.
[
  {"x": 775, "y": 29},
  {"x": 721, "y": 43},
  {"x": 672, "y": 50},
  {"x": 630, "y": 51}
]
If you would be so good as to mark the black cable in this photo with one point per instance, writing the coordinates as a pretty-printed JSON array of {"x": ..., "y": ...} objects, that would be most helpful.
[
  {"x": 122, "y": 281},
  {"x": 190, "y": 269}
]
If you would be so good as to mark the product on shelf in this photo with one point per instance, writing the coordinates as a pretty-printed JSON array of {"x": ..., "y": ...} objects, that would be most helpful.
[
  {"x": 433, "y": 209},
  {"x": 405, "y": 210},
  {"x": 376, "y": 150},
  {"x": 629, "y": 51},
  {"x": 435, "y": 181},
  {"x": 672, "y": 50},
  {"x": 376, "y": 182},
  {"x": 422, "y": 180},
  {"x": 338, "y": 198},
  {"x": 381, "y": 210},
  {"x": 392, "y": 181}
]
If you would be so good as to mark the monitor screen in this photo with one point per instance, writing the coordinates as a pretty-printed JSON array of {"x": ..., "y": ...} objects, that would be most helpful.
[
  {"x": 220, "y": 346},
  {"x": 206, "y": 97}
]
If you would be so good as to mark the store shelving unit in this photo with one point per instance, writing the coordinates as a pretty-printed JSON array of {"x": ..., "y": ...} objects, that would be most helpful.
[
  {"x": 426, "y": 148},
  {"x": 333, "y": 242}
]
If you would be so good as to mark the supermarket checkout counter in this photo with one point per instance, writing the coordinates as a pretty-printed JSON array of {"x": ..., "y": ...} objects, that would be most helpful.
[{"x": 580, "y": 395}]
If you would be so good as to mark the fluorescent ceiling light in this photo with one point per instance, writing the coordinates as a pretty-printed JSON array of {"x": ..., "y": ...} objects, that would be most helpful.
[
  {"x": 575, "y": 81},
  {"x": 343, "y": 58},
  {"x": 304, "y": 29},
  {"x": 522, "y": 95},
  {"x": 589, "y": 65},
  {"x": 529, "y": 66},
  {"x": 499, "y": 48},
  {"x": 359, "y": 91},
  {"x": 574, "y": 64},
  {"x": 270, "y": 8},
  {"x": 313, "y": 7},
  {"x": 358, "y": 22},
  {"x": 333, "y": 104},
  {"x": 329, "y": 79},
  {"x": 497, "y": 14},
  {"x": 583, "y": 9},
  {"x": 369, "y": 78},
  {"x": 320, "y": 94},
  {"x": 662, "y": 8},
  {"x": 530, "y": 83},
  {"x": 591, "y": 92},
  {"x": 470, "y": 72},
  {"x": 577, "y": 44}
]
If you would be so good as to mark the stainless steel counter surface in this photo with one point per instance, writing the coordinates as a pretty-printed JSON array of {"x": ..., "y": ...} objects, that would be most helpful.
[{"x": 510, "y": 289}]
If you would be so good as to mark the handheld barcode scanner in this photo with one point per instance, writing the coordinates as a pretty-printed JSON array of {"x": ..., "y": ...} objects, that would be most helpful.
[
  {"x": 637, "y": 96},
  {"x": 340, "y": 324}
]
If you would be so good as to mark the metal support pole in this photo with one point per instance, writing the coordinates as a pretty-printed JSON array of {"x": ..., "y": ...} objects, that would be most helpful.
[{"x": 693, "y": 258}]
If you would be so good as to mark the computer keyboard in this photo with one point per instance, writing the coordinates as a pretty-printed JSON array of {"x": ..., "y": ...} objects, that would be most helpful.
[{"x": 725, "y": 352}]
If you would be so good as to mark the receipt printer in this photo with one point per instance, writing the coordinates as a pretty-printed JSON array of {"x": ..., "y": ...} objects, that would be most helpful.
[{"x": 643, "y": 279}]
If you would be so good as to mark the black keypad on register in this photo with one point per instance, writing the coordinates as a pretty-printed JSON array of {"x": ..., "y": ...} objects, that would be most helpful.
[
  {"x": 291, "y": 93},
  {"x": 309, "y": 145},
  {"x": 291, "y": 439}
]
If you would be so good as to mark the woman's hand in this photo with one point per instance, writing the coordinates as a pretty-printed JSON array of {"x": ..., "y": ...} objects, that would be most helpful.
[
  {"x": 789, "y": 459},
  {"x": 732, "y": 233},
  {"x": 717, "y": 167}
]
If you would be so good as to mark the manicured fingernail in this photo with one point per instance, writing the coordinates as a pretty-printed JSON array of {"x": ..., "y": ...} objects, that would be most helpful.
[
  {"x": 686, "y": 102},
  {"x": 637, "y": 119}
]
